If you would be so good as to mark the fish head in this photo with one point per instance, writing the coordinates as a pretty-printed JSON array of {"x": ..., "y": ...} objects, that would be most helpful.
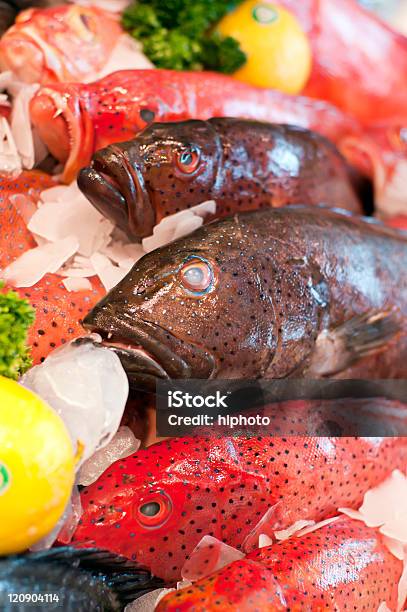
[
  {"x": 191, "y": 309},
  {"x": 155, "y": 506},
  {"x": 168, "y": 167},
  {"x": 60, "y": 115},
  {"x": 59, "y": 43}
]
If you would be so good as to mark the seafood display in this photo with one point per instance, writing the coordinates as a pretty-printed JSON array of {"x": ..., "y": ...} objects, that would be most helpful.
[
  {"x": 203, "y": 306},
  {"x": 323, "y": 293},
  {"x": 170, "y": 167}
]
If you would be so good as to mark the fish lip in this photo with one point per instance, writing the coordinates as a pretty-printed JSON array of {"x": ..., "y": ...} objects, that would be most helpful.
[
  {"x": 140, "y": 366},
  {"x": 127, "y": 185},
  {"x": 103, "y": 192},
  {"x": 145, "y": 341}
]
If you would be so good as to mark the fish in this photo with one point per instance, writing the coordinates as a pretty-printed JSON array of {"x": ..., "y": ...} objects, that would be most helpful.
[
  {"x": 18, "y": 195},
  {"x": 71, "y": 579},
  {"x": 59, "y": 43},
  {"x": 342, "y": 565},
  {"x": 243, "y": 165},
  {"x": 363, "y": 74},
  {"x": 76, "y": 119},
  {"x": 287, "y": 292},
  {"x": 59, "y": 313},
  {"x": 155, "y": 506}
]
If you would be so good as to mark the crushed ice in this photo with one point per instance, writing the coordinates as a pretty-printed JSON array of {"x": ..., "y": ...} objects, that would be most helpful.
[
  {"x": 62, "y": 215},
  {"x": 87, "y": 386}
]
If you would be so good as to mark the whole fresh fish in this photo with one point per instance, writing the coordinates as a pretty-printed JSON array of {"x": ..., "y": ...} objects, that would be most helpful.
[
  {"x": 358, "y": 62},
  {"x": 74, "y": 119},
  {"x": 294, "y": 291},
  {"x": 243, "y": 165},
  {"x": 61, "y": 43},
  {"x": 343, "y": 565},
  {"x": 71, "y": 580},
  {"x": 59, "y": 313},
  {"x": 156, "y": 505}
]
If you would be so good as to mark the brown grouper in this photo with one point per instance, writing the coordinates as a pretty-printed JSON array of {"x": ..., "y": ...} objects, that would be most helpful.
[
  {"x": 243, "y": 165},
  {"x": 294, "y": 291}
]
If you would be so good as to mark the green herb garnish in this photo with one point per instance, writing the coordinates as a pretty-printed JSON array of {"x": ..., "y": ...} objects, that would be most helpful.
[
  {"x": 16, "y": 317},
  {"x": 176, "y": 34}
]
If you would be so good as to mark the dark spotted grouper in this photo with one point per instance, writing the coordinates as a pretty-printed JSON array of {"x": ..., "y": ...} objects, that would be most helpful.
[
  {"x": 243, "y": 165},
  {"x": 283, "y": 292}
]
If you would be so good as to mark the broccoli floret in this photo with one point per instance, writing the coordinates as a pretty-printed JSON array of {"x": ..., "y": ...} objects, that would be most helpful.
[
  {"x": 176, "y": 34},
  {"x": 16, "y": 317}
]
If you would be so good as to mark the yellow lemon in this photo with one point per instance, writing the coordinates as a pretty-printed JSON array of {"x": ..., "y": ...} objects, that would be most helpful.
[
  {"x": 278, "y": 51},
  {"x": 36, "y": 467}
]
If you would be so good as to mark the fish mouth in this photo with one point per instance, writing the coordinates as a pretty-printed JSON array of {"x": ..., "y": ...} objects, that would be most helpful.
[
  {"x": 117, "y": 190},
  {"x": 65, "y": 127},
  {"x": 148, "y": 353},
  {"x": 141, "y": 352},
  {"x": 142, "y": 368}
]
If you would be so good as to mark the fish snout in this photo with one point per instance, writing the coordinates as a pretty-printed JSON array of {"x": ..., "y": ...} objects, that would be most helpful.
[
  {"x": 115, "y": 186},
  {"x": 101, "y": 319}
]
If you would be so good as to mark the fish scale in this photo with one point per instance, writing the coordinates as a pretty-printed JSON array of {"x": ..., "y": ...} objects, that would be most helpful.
[
  {"x": 223, "y": 487},
  {"x": 340, "y": 566}
]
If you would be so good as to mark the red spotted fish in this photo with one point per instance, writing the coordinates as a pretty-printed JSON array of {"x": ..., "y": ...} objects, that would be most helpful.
[
  {"x": 59, "y": 313},
  {"x": 293, "y": 291},
  {"x": 343, "y": 565},
  {"x": 62, "y": 43},
  {"x": 75, "y": 120},
  {"x": 156, "y": 505},
  {"x": 243, "y": 165}
]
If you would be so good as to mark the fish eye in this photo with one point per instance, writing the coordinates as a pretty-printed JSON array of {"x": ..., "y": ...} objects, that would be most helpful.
[
  {"x": 154, "y": 510},
  {"x": 197, "y": 275},
  {"x": 150, "y": 509},
  {"x": 188, "y": 159}
]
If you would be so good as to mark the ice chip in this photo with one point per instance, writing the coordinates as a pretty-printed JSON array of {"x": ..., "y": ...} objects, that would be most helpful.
[
  {"x": 208, "y": 556},
  {"x": 87, "y": 386},
  {"x": 123, "y": 444}
]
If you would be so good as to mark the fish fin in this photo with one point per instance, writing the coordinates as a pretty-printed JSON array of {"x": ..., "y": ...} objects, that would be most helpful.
[
  {"x": 363, "y": 335},
  {"x": 127, "y": 578}
]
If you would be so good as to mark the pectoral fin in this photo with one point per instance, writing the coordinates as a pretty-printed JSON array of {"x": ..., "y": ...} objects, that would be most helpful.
[{"x": 337, "y": 349}]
